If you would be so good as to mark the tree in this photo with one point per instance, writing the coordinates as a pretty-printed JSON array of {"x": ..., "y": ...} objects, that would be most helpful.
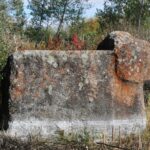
[
  {"x": 39, "y": 12},
  {"x": 18, "y": 14},
  {"x": 59, "y": 11},
  {"x": 135, "y": 12},
  {"x": 67, "y": 12}
]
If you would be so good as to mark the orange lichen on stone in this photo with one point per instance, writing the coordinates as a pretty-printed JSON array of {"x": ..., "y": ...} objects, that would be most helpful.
[
  {"x": 17, "y": 93},
  {"x": 132, "y": 56},
  {"x": 130, "y": 63},
  {"x": 18, "y": 85},
  {"x": 62, "y": 71},
  {"x": 122, "y": 92}
]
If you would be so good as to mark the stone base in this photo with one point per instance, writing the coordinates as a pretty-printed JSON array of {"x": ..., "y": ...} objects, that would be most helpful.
[{"x": 47, "y": 128}]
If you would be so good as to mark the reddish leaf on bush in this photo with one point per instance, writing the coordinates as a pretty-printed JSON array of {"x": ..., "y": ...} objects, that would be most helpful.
[{"x": 77, "y": 43}]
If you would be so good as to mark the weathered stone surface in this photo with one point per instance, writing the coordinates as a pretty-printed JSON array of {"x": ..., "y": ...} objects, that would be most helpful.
[
  {"x": 72, "y": 91},
  {"x": 133, "y": 56}
]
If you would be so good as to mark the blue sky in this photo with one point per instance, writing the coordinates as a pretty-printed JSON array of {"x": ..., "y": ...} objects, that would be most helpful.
[{"x": 95, "y": 4}]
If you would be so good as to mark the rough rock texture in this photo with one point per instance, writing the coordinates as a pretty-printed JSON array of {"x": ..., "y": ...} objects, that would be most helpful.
[
  {"x": 133, "y": 56},
  {"x": 71, "y": 91}
]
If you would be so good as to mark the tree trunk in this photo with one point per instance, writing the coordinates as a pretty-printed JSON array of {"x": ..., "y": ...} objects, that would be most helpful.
[
  {"x": 61, "y": 20},
  {"x": 140, "y": 15}
]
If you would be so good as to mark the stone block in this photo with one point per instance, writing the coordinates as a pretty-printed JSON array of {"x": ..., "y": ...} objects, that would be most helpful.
[{"x": 70, "y": 91}]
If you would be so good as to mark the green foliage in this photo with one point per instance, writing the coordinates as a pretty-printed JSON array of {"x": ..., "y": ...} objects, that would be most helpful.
[
  {"x": 108, "y": 17},
  {"x": 37, "y": 34},
  {"x": 39, "y": 11},
  {"x": 123, "y": 13},
  {"x": 88, "y": 31},
  {"x": 18, "y": 15},
  {"x": 85, "y": 139},
  {"x": 59, "y": 11},
  {"x": 147, "y": 98},
  {"x": 67, "y": 11},
  {"x": 137, "y": 11},
  {"x": 3, "y": 57},
  {"x": 3, "y": 32}
]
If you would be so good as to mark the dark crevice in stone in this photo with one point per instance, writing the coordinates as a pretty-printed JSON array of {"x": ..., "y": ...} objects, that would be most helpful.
[
  {"x": 4, "y": 108},
  {"x": 106, "y": 44},
  {"x": 146, "y": 85},
  {"x": 146, "y": 88}
]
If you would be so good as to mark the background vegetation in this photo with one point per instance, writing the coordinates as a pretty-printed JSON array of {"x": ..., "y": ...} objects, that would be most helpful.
[{"x": 59, "y": 24}]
